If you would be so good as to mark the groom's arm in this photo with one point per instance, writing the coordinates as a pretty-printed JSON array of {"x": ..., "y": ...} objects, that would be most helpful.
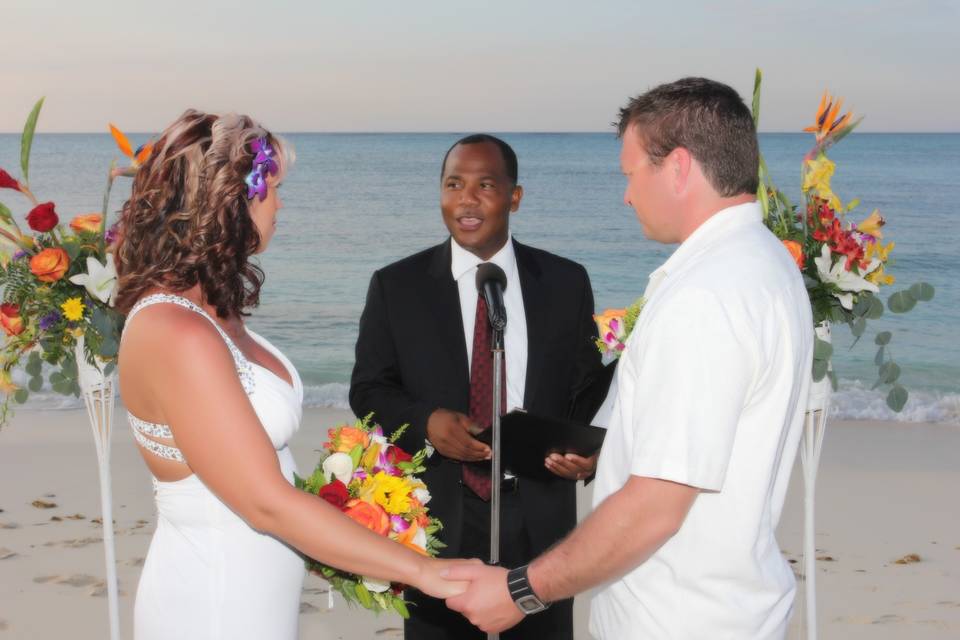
[
  {"x": 376, "y": 384},
  {"x": 626, "y": 529}
]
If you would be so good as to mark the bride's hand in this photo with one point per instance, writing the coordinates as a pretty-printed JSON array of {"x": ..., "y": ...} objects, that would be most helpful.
[{"x": 433, "y": 584}]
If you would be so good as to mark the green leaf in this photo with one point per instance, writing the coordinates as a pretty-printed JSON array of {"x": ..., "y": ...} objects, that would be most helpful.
[
  {"x": 355, "y": 454},
  {"x": 897, "y": 398},
  {"x": 857, "y": 327},
  {"x": 107, "y": 370},
  {"x": 901, "y": 302},
  {"x": 822, "y": 350},
  {"x": 876, "y": 309},
  {"x": 34, "y": 364},
  {"x": 883, "y": 338},
  {"x": 820, "y": 369},
  {"x": 26, "y": 141},
  {"x": 862, "y": 305},
  {"x": 833, "y": 380},
  {"x": 57, "y": 377},
  {"x": 64, "y": 388},
  {"x": 363, "y": 595},
  {"x": 35, "y": 384},
  {"x": 5, "y": 214},
  {"x": 21, "y": 396},
  {"x": 757, "y": 80},
  {"x": 109, "y": 347},
  {"x": 922, "y": 291},
  {"x": 878, "y": 359},
  {"x": 889, "y": 372},
  {"x": 401, "y": 607}
]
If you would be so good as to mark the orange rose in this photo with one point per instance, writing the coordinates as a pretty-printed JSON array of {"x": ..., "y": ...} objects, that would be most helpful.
[
  {"x": 796, "y": 251},
  {"x": 11, "y": 320},
  {"x": 347, "y": 439},
  {"x": 371, "y": 516},
  {"x": 50, "y": 264},
  {"x": 89, "y": 223}
]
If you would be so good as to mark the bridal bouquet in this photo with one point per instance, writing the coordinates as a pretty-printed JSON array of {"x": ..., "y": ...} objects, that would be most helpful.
[
  {"x": 844, "y": 263},
  {"x": 58, "y": 287},
  {"x": 374, "y": 482}
]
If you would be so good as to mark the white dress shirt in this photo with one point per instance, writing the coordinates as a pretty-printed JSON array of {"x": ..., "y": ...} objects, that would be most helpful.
[
  {"x": 463, "y": 266},
  {"x": 710, "y": 393}
]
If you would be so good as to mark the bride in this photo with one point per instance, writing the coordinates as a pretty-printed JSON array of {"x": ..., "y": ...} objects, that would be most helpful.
[{"x": 213, "y": 405}]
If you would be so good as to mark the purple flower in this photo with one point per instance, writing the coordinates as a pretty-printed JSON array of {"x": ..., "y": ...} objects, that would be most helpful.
[
  {"x": 49, "y": 320},
  {"x": 256, "y": 185},
  {"x": 111, "y": 233},
  {"x": 399, "y": 524},
  {"x": 19, "y": 255},
  {"x": 264, "y": 158}
]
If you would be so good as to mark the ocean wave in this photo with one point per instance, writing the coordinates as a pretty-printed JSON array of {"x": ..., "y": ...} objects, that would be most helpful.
[{"x": 853, "y": 401}]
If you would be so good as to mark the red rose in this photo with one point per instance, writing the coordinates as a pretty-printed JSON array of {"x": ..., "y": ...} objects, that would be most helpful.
[
  {"x": 396, "y": 455},
  {"x": 335, "y": 493},
  {"x": 43, "y": 218},
  {"x": 7, "y": 181},
  {"x": 11, "y": 320}
]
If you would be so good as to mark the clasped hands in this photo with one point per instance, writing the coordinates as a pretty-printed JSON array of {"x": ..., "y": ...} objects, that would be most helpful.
[{"x": 452, "y": 434}]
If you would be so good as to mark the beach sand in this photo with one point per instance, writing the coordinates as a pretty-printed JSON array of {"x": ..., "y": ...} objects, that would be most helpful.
[{"x": 886, "y": 490}]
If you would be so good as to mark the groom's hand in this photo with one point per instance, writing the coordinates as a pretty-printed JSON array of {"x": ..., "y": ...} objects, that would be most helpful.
[
  {"x": 571, "y": 466},
  {"x": 486, "y": 603},
  {"x": 449, "y": 433}
]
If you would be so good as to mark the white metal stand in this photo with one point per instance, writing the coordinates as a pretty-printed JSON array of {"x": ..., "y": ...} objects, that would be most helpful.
[
  {"x": 98, "y": 395},
  {"x": 814, "y": 427}
]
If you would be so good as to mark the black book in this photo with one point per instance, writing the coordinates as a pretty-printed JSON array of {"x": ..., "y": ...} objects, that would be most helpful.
[{"x": 527, "y": 439}]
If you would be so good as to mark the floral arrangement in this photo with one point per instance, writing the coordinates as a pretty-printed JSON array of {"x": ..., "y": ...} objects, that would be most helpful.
[
  {"x": 844, "y": 264},
  {"x": 374, "y": 482},
  {"x": 615, "y": 326},
  {"x": 58, "y": 286}
]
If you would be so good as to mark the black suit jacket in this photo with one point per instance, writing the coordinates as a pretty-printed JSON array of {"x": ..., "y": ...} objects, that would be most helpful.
[{"x": 411, "y": 359}]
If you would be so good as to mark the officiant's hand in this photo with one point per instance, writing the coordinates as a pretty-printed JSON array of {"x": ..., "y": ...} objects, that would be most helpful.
[
  {"x": 450, "y": 433},
  {"x": 571, "y": 466}
]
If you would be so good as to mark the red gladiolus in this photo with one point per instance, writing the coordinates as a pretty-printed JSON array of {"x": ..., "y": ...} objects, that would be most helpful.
[
  {"x": 7, "y": 181},
  {"x": 43, "y": 218},
  {"x": 335, "y": 493},
  {"x": 395, "y": 455}
]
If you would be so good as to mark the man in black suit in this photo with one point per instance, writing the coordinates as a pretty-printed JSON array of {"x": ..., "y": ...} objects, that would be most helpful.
[{"x": 416, "y": 362}]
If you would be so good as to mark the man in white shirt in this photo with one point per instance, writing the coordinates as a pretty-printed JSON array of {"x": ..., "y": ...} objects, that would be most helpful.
[
  {"x": 424, "y": 358},
  {"x": 709, "y": 407}
]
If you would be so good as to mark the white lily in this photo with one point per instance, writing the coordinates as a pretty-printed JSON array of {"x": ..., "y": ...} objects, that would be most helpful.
[
  {"x": 847, "y": 281},
  {"x": 100, "y": 280}
]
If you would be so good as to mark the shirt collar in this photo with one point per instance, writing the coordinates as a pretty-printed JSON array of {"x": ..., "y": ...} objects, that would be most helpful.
[
  {"x": 463, "y": 262},
  {"x": 718, "y": 225}
]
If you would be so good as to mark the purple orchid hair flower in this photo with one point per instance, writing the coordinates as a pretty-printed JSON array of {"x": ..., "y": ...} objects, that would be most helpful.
[
  {"x": 256, "y": 184},
  {"x": 49, "y": 320}
]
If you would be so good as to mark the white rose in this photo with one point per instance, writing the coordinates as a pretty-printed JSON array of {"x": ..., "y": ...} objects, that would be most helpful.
[
  {"x": 420, "y": 538},
  {"x": 374, "y": 585},
  {"x": 422, "y": 495},
  {"x": 340, "y": 466}
]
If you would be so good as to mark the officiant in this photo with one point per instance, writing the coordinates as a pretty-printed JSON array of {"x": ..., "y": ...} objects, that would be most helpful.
[{"x": 423, "y": 358}]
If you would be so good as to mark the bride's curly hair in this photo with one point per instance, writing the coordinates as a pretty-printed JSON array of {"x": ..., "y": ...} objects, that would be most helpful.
[{"x": 187, "y": 220}]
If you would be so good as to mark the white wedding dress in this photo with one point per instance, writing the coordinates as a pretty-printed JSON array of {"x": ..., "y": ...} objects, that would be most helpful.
[{"x": 208, "y": 575}]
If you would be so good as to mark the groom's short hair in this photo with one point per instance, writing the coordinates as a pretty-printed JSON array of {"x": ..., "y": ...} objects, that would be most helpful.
[
  {"x": 708, "y": 119},
  {"x": 506, "y": 151}
]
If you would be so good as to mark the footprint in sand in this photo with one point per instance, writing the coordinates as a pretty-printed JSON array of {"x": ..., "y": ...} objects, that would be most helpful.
[
  {"x": 43, "y": 504},
  {"x": 3, "y": 625},
  {"x": 306, "y": 607},
  {"x": 889, "y": 619},
  {"x": 100, "y": 590},
  {"x": 6, "y": 553},
  {"x": 77, "y": 543},
  {"x": 134, "y": 562},
  {"x": 389, "y": 632},
  {"x": 9, "y": 525},
  {"x": 76, "y": 580}
]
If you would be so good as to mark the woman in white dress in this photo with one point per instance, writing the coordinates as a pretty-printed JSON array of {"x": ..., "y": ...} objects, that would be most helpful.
[{"x": 213, "y": 405}]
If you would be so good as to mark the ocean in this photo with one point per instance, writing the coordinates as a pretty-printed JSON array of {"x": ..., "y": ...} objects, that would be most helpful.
[{"x": 356, "y": 202}]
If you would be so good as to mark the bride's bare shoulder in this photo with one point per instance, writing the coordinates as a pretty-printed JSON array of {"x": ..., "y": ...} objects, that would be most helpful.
[{"x": 168, "y": 333}]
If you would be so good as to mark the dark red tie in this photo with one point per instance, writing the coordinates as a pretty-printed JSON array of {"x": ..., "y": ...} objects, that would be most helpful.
[{"x": 476, "y": 475}]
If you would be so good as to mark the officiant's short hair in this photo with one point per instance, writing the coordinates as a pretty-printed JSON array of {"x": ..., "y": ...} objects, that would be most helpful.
[
  {"x": 705, "y": 117},
  {"x": 509, "y": 155}
]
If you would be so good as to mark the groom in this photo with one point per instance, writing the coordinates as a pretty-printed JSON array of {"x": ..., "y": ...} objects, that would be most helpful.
[
  {"x": 709, "y": 411},
  {"x": 423, "y": 358}
]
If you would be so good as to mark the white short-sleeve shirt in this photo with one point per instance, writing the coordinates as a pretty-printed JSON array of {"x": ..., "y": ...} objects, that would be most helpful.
[{"x": 710, "y": 393}]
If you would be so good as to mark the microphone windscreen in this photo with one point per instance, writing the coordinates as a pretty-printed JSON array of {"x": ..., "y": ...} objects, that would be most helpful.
[{"x": 489, "y": 271}]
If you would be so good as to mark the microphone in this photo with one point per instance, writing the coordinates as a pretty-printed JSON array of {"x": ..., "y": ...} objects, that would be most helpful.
[{"x": 491, "y": 281}]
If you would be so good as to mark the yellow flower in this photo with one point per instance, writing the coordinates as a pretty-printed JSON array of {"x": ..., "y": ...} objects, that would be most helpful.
[
  {"x": 877, "y": 250},
  {"x": 878, "y": 277},
  {"x": 828, "y": 120},
  {"x": 871, "y": 226},
  {"x": 6, "y": 382},
  {"x": 390, "y": 492},
  {"x": 816, "y": 178},
  {"x": 73, "y": 309}
]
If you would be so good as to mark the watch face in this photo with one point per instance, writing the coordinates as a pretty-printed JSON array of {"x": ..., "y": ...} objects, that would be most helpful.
[{"x": 529, "y": 604}]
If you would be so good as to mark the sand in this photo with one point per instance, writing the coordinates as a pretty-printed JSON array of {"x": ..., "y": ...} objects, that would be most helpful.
[{"x": 886, "y": 491}]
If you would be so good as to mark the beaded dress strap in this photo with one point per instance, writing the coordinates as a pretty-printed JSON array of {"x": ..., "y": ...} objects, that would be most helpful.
[{"x": 244, "y": 368}]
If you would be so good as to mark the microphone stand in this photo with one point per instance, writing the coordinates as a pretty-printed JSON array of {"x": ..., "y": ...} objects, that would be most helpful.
[{"x": 495, "y": 471}]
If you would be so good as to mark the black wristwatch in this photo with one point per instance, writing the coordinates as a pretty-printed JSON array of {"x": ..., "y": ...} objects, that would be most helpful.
[{"x": 523, "y": 596}]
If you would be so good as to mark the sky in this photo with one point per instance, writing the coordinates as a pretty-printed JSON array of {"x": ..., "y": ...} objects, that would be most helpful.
[{"x": 468, "y": 66}]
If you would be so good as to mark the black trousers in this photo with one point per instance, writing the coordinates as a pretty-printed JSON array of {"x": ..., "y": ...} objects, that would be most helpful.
[{"x": 430, "y": 619}]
